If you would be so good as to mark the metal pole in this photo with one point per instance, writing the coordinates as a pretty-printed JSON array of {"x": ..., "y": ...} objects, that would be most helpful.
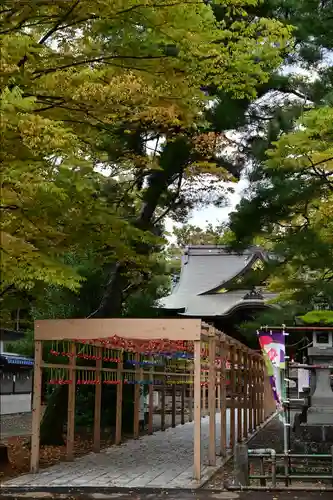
[
  {"x": 273, "y": 456},
  {"x": 285, "y": 424}
]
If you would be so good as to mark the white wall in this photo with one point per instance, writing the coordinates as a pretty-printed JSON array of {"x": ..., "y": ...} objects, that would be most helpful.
[{"x": 15, "y": 403}]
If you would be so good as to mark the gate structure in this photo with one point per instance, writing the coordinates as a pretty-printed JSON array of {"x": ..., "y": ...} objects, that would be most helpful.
[{"x": 209, "y": 372}]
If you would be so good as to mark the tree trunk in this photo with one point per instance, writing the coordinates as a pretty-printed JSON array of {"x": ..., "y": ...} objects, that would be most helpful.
[
  {"x": 55, "y": 417},
  {"x": 4, "y": 459},
  {"x": 173, "y": 160}
]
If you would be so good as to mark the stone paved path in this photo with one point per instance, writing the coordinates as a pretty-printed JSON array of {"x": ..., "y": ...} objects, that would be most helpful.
[{"x": 163, "y": 460}]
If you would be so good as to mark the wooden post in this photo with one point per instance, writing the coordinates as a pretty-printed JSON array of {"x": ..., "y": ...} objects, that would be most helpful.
[
  {"x": 260, "y": 389},
  {"x": 197, "y": 410},
  {"x": 182, "y": 410},
  {"x": 218, "y": 383},
  {"x": 36, "y": 408},
  {"x": 223, "y": 440},
  {"x": 190, "y": 399},
  {"x": 173, "y": 405},
  {"x": 204, "y": 394},
  {"x": 240, "y": 395},
  {"x": 257, "y": 392},
  {"x": 163, "y": 406},
  {"x": 136, "y": 397},
  {"x": 232, "y": 396},
  {"x": 250, "y": 395},
  {"x": 120, "y": 388},
  {"x": 98, "y": 401},
  {"x": 262, "y": 399},
  {"x": 71, "y": 404},
  {"x": 212, "y": 399},
  {"x": 254, "y": 393},
  {"x": 246, "y": 392},
  {"x": 150, "y": 399}
]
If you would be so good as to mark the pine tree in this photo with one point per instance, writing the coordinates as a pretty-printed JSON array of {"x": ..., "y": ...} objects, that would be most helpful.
[{"x": 289, "y": 207}]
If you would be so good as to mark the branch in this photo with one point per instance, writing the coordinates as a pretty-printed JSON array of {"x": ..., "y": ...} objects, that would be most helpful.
[
  {"x": 320, "y": 173},
  {"x": 157, "y": 5},
  {"x": 172, "y": 202},
  {"x": 39, "y": 72},
  {"x": 7, "y": 289},
  {"x": 52, "y": 30},
  {"x": 9, "y": 207}
]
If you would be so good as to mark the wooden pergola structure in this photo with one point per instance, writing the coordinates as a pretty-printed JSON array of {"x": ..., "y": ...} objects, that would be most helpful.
[{"x": 211, "y": 358}]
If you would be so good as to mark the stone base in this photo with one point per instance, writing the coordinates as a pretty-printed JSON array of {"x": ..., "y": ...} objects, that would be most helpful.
[
  {"x": 319, "y": 433},
  {"x": 314, "y": 439},
  {"x": 320, "y": 416}
]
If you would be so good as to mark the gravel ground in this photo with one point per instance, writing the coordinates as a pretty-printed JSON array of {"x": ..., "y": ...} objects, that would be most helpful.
[
  {"x": 20, "y": 424},
  {"x": 15, "y": 425}
]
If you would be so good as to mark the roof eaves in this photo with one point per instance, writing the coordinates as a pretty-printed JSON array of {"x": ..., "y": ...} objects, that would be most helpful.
[{"x": 225, "y": 284}]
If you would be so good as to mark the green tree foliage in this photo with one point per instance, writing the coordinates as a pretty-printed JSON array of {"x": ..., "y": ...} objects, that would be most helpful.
[
  {"x": 86, "y": 85},
  {"x": 188, "y": 234},
  {"x": 288, "y": 206},
  {"x": 294, "y": 209},
  {"x": 317, "y": 318}
]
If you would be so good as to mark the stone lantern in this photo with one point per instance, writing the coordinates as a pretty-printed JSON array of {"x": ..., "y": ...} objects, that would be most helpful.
[{"x": 320, "y": 355}]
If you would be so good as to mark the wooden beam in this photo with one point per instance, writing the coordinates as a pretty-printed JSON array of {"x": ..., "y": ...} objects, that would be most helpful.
[
  {"x": 36, "y": 408},
  {"x": 98, "y": 402},
  {"x": 197, "y": 410},
  {"x": 133, "y": 328}
]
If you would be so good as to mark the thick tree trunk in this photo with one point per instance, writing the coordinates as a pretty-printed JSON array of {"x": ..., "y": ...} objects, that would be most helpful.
[
  {"x": 4, "y": 458},
  {"x": 173, "y": 160},
  {"x": 55, "y": 418}
]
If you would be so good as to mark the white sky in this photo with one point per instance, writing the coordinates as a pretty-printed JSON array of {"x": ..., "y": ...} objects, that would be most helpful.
[
  {"x": 211, "y": 214},
  {"x": 214, "y": 215}
]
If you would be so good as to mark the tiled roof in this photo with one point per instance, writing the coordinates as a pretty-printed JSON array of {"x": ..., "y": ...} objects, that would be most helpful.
[{"x": 204, "y": 270}]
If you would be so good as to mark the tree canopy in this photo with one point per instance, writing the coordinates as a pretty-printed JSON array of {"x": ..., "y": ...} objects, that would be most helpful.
[
  {"x": 86, "y": 87},
  {"x": 288, "y": 206}
]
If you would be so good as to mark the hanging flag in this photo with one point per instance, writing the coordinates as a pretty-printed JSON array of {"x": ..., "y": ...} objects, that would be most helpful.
[{"x": 273, "y": 347}]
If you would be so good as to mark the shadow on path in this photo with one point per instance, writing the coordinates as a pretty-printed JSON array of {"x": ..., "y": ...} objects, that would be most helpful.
[{"x": 143, "y": 494}]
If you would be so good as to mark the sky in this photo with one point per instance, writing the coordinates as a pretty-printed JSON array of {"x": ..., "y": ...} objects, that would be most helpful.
[{"x": 211, "y": 214}]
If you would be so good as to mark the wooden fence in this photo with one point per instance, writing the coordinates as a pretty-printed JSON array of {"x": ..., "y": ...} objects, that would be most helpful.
[{"x": 193, "y": 368}]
